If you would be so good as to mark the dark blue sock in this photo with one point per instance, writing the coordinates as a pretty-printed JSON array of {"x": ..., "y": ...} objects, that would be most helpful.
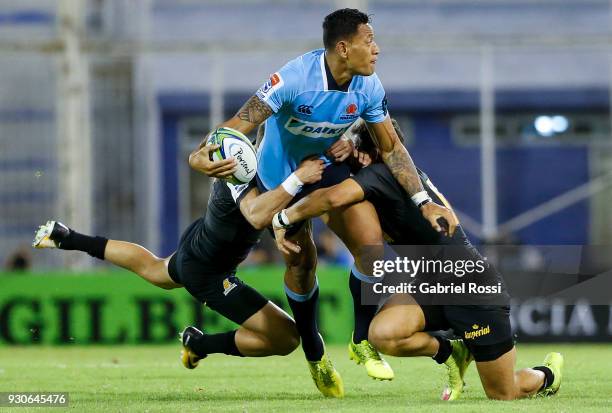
[
  {"x": 363, "y": 313},
  {"x": 304, "y": 307}
]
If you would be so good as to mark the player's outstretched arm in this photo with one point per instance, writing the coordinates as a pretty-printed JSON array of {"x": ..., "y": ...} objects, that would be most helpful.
[
  {"x": 250, "y": 115},
  {"x": 319, "y": 202},
  {"x": 323, "y": 200},
  {"x": 398, "y": 160},
  {"x": 259, "y": 209}
]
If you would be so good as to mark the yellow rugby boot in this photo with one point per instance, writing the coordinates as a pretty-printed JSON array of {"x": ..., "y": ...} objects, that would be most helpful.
[
  {"x": 456, "y": 366},
  {"x": 364, "y": 353},
  {"x": 554, "y": 361},
  {"x": 326, "y": 378}
]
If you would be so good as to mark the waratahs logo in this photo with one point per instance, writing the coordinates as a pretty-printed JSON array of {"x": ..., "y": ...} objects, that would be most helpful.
[
  {"x": 351, "y": 109},
  {"x": 350, "y": 113},
  {"x": 316, "y": 129}
]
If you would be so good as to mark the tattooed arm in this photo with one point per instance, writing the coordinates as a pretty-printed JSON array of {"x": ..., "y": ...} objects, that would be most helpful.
[
  {"x": 250, "y": 115},
  {"x": 398, "y": 160},
  {"x": 395, "y": 156}
]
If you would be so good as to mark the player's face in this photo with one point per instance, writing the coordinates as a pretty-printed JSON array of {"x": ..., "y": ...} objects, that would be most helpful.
[{"x": 362, "y": 51}]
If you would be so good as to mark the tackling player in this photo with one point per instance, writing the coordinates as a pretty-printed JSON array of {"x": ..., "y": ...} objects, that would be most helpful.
[
  {"x": 307, "y": 106},
  {"x": 399, "y": 327},
  {"x": 205, "y": 264}
]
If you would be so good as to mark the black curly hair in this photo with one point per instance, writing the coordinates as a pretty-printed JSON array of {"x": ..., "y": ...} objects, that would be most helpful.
[{"x": 342, "y": 25}]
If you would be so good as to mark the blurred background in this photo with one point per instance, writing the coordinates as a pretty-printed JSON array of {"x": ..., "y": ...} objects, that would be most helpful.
[{"x": 505, "y": 104}]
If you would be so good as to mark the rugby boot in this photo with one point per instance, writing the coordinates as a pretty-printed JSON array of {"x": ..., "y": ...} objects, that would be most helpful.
[
  {"x": 554, "y": 361},
  {"x": 456, "y": 366},
  {"x": 326, "y": 378},
  {"x": 188, "y": 357},
  {"x": 376, "y": 367},
  {"x": 50, "y": 235}
]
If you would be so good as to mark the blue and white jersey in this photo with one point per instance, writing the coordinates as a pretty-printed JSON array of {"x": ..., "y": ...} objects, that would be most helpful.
[{"x": 311, "y": 112}]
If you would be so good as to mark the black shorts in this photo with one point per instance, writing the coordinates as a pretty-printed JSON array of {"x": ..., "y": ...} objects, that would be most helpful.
[
  {"x": 224, "y": 293},
  {"x": 332, "y": 175},
  {"x": 485, "y": 330}
]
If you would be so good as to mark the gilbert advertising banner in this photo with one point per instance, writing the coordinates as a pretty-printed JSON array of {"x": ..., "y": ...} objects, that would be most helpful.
[{"x": 119, "y": 308}]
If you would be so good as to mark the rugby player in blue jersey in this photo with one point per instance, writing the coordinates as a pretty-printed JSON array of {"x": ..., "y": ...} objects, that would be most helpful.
[{"x": 307, "y": 106}]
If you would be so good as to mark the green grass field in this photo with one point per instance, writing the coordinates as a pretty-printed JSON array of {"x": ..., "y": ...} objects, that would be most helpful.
[{"x": 151, "y": 378}]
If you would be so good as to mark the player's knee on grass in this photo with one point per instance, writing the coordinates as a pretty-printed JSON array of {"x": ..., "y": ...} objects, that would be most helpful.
[
  {"x": 501, "y": 393},
  {"x": 498, "y": 377},
  {"x": 528, "y": 381}
]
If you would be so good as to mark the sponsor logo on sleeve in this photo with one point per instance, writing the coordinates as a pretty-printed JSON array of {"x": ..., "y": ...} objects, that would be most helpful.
[
  {"x": 228, "y": 286},
  {"x": 273, "y": 83}
]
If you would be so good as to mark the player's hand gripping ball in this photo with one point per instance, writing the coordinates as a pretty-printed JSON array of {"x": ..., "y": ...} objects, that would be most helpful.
[{"x": 234, "y": 144}]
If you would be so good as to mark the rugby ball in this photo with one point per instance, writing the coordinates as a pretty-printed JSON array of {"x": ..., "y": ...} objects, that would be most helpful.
[{"x": 234, "y": 144}]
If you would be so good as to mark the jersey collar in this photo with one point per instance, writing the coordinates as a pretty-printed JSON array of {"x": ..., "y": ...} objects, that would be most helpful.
[{"x": 329, "y": 83}]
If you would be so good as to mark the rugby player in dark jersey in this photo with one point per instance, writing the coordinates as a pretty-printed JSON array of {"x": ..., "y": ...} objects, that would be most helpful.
[
  {"x": 399, "y": 327},
  {"x": 205, "y": 264}
]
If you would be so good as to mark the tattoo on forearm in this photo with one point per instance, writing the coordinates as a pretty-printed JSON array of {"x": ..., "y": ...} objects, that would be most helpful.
[
  {"x": 401, "y": 165},
  {"x": 254, "y": 111}
]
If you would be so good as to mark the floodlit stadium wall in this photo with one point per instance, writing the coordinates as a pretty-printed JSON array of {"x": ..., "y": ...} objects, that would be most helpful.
[
  {"x": 528, "y": 172},
  {"x": 119, "y": 308},
  {"x": 134, "y": 85}
]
